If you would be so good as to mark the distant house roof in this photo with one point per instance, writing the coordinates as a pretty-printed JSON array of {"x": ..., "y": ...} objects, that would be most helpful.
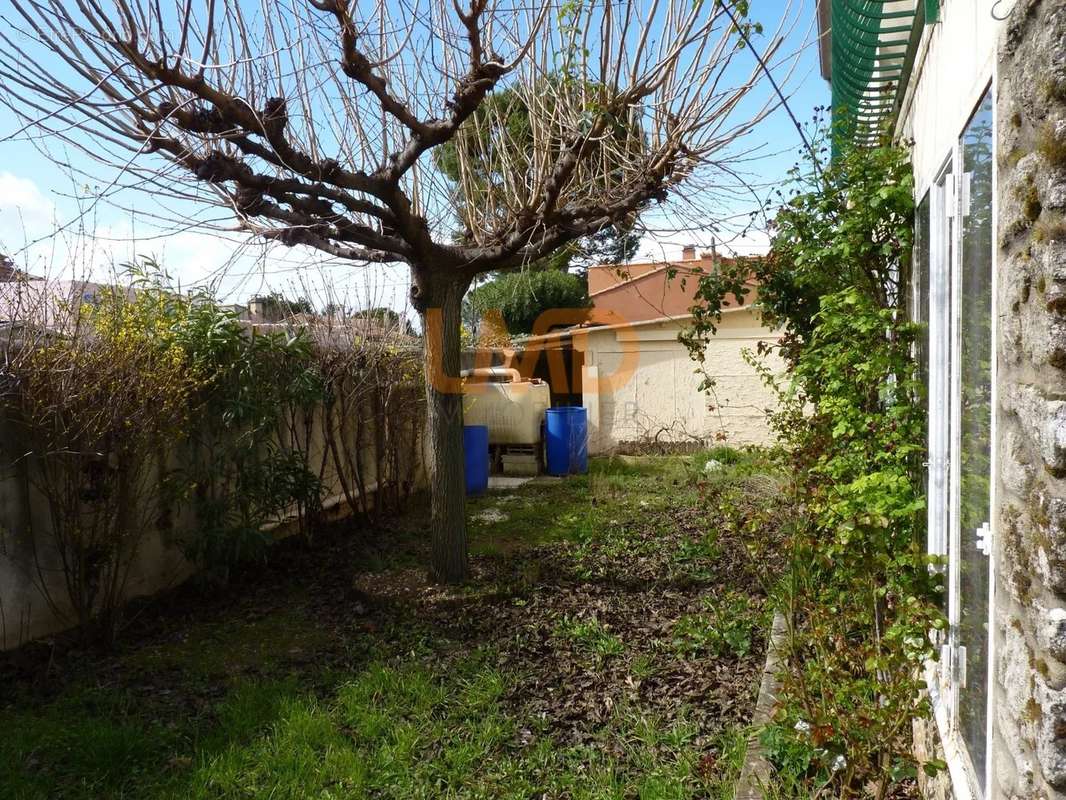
[
  {"x": 9, "y": 272},
  {"x": 653, "y": 289}
]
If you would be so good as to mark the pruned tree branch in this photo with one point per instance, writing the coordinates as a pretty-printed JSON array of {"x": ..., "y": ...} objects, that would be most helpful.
[
  {"x": 324, "y": 123},
  {"x": 311, "y": 119}
]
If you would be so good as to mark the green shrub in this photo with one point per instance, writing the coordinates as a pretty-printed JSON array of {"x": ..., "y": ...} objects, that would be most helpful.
[
  {"x": 95, "y": 401},
  {"x": 148, "y": 401},
  {"x": 236, "y": 468},
  {"x": 521, "y": 297},
  {"x": 859, "y": 590},
  {"x": 859, "y": 596}
]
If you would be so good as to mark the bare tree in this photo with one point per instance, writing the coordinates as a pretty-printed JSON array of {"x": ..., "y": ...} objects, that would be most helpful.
[{"x": 312, "y": 122}]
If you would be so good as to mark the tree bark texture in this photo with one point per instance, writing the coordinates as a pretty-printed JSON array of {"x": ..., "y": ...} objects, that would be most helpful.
[{"x": 440, "y": 304}]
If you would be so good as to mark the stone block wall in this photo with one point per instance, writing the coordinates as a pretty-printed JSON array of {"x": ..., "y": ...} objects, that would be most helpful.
[{"x": 1029, "y": 751}]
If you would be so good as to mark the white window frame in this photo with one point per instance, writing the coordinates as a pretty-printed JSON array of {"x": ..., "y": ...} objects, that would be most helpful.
[{"x": 944, "y": 534}]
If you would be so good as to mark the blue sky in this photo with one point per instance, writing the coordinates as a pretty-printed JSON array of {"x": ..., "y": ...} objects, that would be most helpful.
[{"x": 36, "y": 199}]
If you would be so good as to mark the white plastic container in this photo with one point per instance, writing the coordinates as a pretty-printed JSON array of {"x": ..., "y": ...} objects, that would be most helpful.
[{"x": 512, "y": 407}]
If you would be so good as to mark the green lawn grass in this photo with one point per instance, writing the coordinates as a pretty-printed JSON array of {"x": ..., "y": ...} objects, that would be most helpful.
[{"x": 270, "y": 696}]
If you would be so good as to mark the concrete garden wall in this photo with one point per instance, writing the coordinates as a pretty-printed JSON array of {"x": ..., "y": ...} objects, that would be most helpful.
[{"x": 159, "y": 563}]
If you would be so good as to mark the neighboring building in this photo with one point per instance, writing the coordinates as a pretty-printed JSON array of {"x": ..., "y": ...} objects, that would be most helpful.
[
  {"x": 56, "y": 305},
  {"x": 654, "y": 289},
  {"x": 642, "y": 386},
  {"x": 10, "y": 273},
  {"x": 979, "y": 88},
  {"x": 637, "y": 380},
  {"x": 241, "y": 312}
]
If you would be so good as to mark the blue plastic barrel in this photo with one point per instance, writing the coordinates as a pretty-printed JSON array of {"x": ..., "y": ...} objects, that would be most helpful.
[
  {"x": 476, "y": 458},
  {"x": 579, "y": 440},
  {"x": 557, "y": 440}
]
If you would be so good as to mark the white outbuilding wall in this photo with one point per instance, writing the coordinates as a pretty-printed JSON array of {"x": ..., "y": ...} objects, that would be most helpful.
[{"x": 640, "y": 385}]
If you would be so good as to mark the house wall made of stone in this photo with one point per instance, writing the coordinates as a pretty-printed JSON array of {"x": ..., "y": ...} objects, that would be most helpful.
[{"x": 1029, "y": 749}]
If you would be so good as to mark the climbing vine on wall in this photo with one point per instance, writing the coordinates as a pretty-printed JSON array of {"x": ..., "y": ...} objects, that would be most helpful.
[{"x": 859, "y": 597}]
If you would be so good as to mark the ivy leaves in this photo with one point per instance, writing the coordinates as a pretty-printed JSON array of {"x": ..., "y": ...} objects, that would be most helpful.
[
  {"x": 846, "y": 224},
  {"x": 860, "y": 593}
]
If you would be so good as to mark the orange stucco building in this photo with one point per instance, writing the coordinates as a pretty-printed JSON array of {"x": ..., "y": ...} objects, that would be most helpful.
[{"x": 653, "y": 289}]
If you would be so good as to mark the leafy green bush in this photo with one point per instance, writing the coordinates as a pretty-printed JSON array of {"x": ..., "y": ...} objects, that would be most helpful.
[
  {"x": 236, "y": 469},
  {"x": 521, "y": 297},
  {"x": 94, "y": 402},
  {"x": 148, "y": 401},
  {"x": 859, "y": 596},
  {"x": 241, "y": 472}
]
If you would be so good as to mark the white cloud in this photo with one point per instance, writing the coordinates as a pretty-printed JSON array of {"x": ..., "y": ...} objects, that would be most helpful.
[
  {"x": 25, "y": 211},
  {"x": 22, "y": 195}
]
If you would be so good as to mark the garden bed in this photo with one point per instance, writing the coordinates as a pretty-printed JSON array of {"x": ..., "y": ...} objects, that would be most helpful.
[{"x": 610, "y": 645}]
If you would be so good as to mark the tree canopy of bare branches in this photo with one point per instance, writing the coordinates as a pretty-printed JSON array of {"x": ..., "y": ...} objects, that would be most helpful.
[{"x": 313, "y": 122}]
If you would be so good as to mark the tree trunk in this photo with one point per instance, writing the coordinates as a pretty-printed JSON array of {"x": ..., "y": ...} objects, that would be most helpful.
[{"x": 440, "y": 304}]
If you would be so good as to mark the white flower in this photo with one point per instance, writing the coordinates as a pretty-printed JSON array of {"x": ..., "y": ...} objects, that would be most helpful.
[
  {"x": 839, "y": 763},
  {"x": 803, "y": 727}
]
